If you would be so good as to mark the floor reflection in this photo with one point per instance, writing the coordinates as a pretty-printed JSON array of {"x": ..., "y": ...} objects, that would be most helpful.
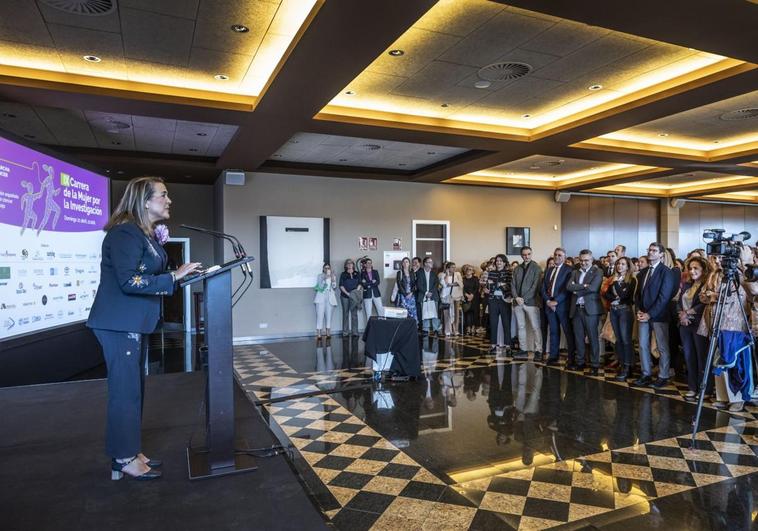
[{"x": 463, "y": 425}]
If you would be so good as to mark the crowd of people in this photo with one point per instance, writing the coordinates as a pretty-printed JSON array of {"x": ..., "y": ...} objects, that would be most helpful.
[{"x": 597, "y": 307}]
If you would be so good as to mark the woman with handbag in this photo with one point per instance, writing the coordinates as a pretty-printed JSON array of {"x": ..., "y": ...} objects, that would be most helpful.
[
  {"x": 325, "y": 301},
  {"x": 470, "y": 304},
  {"x": 451, "y": 292},
  {"x": 405, "y": 284},
  {"x": 350, "y": 280},
  {"x": 620, "y": 297}
]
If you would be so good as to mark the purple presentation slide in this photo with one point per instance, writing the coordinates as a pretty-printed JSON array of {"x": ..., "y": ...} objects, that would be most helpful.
[
  {"x": 39, "y": 192},
  {"x": 52, "y": 215}
]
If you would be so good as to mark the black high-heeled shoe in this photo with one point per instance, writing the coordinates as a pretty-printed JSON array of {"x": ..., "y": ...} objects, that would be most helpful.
[{"x": 117, "y": 471}]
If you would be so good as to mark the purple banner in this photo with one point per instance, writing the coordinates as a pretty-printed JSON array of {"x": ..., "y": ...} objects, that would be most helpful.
[{"x": 41, "y": 193}]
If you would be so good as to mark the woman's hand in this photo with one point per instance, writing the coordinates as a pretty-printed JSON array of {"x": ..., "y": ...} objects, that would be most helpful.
[{"x": 186, "y": 269}]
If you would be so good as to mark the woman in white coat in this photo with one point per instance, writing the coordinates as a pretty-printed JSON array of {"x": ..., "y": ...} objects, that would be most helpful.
[
  {"x": 325, "y": 301},
  {"x": 451, "y": 293}
]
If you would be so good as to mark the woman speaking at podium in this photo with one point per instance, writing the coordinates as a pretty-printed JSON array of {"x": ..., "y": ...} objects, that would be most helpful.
[{"x": 133, "y": 277}]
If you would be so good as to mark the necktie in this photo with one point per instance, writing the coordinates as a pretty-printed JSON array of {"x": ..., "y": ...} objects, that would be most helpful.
[{"x": 553, "y": 273}]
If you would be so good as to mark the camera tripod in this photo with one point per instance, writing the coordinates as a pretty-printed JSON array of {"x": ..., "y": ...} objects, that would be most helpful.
[{"x": 730, "y": 281}]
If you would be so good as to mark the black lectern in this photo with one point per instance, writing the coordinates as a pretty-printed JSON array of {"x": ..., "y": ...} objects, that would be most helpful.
[{"x": 218, "y": 458}]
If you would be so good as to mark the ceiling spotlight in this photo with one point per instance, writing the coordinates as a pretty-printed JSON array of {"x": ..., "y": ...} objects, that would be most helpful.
[
  {"x": 594, "y": 87},
  {"x": 483, "y": 84},
  {"x": 116, "y": 143},
  {"x": 201, "y": 134},
  {"x": 716, "y": 141},
  {"x": 107, "y": 171},
  {"x": 240, "y": 28},
  {"x": 526, "y": 115},
  {"x": 396, "y": 53},
  {"x": 91, "y": 58},
  {"x": 663, "y": 135},
  {"x": 193, "y": 149},
  {"x": 444, "y": 105},
  {"x": 350, "y": 92},
  {"x": 8, "y": 115},
  {"x": 120, "y": 172},
  {"x": 402, "y": 164},
  {"x": 534, "y": 167},
  {"x": 221, "y": 77},
  {"x": 431, "y": 152},
  {"x": 343, "y": 160}
]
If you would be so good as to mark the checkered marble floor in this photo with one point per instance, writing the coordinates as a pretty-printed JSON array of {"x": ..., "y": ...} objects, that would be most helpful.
[{"x": 361, "y": 480}]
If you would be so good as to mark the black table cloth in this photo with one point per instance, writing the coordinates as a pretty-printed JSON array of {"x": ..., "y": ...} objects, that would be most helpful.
[{"x": 399, "y": 336}]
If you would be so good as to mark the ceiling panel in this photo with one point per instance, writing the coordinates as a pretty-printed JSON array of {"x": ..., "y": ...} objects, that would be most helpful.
[
  {"x": 175, "y": 43},
  {"x": 316, "y": 148},
  {"x": 703, "y": 128},
  {"x": 566, "y": 59},
  {"x": 77, "y": 128}
]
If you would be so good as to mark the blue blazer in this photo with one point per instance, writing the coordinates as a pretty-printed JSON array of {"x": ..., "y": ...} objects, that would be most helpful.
[
  {"x": 560, "y": 294},
  {"x": 657, "y": 292},
  {"x": 132, "y": 278},
  {"x": 370, "y": 287}
]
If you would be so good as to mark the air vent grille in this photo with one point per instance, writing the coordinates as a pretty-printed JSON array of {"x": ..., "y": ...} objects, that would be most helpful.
[
  {"x": 504, "y": 71},
  {"x": 741, "y": 114},
  {"x": 92, "y": 8}
]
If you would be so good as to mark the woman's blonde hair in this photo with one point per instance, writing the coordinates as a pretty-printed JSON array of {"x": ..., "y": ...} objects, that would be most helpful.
[{"x": 131, "y": 208}]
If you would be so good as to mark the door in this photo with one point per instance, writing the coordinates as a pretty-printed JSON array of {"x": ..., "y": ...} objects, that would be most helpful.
[
  {"x": 173, "y": 306},
  {"x": 432, "y": 238}
]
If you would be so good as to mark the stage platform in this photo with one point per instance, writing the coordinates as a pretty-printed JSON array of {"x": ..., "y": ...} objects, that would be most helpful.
[{"x": 54, "y": 474}]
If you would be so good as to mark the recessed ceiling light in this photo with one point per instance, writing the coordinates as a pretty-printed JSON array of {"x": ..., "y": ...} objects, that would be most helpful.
[
  {"x": 534, "y": 167},
  {"x": 116, "y": 143},
  {"x": 29, "y": 136},
  {"x": 594, "y": 87},
  {"x": 483, "y": 84},
  {"x": 8, "y": 115},
  {"x": 343, "y": 160},
  {"x": 107, "y": 171},
  {"x": 240, "y": 28},
  {"x": 716, "y": 141},
  {"x": 201, "y": 134},
  {"x": 526, "y": 115},
  {"x": 350, "y": 92},
  {"x": 91, "y": 58},
  {"x": 444, "y": 105},
  {"x": 431, "y": 152},
  {"x": 221, "y": 77},
  {"x": 120, "y": 172},
  {"x": 277, "y": 155},
  {"x": 663, "y": 134},
  {"x": 396, "y": 53},
  {"x": 402, "y": 164},
  {"x": 193, "y": 149}
]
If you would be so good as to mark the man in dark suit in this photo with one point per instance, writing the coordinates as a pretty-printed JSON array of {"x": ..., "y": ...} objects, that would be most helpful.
[
  {"x": 586, "y": 310},
  {"x": 557, "y": 300},
  {"x": 656, "y": 285},
  {"x": 427, "y": 288}
]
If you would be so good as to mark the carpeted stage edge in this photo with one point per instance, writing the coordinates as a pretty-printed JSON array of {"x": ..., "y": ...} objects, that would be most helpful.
[{"x": 54, "y": 473}]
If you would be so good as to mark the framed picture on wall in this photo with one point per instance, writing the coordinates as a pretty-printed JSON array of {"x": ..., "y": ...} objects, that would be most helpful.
[{"x": 515, "y": 239}]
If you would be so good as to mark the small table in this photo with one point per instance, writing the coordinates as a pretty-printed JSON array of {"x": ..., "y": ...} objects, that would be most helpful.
[{"x": 399, "y": 336}]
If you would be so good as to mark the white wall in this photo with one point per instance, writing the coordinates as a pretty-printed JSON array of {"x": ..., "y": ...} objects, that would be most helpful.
[{"x": 478, "y": 217}]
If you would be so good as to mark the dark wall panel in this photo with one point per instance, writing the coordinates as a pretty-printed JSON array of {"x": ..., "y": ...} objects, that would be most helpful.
[
  {"x": 694, "y": 218},
  {"x": 602, "y": 222}
]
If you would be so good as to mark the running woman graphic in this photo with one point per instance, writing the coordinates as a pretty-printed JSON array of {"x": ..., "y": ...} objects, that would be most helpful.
[
  {"x": 27, "y": 205},
  {"x": 50, "y": 205}
]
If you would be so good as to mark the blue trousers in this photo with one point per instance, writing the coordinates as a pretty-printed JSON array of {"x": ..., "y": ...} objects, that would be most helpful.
[
  {"x": 125, "y": 354},
  {"x": 558, "y": 320}
]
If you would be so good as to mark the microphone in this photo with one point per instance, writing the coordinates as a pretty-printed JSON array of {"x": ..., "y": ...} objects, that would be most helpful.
[
  {"x": 228, "y": 237},
  {"x": 239, "y": 251}
]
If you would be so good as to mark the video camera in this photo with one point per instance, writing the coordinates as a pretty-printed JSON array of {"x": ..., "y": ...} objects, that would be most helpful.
[{"x": 729, "y": 248}]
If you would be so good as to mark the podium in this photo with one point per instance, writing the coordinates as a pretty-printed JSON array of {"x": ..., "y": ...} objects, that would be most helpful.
[{"x": 218, "y": 457}]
